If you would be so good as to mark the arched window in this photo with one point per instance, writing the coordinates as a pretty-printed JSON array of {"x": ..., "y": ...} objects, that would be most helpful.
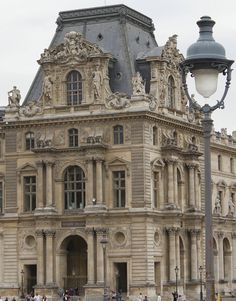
[
  {"x": 73, "y": 137},
  {"x": 74, "y": 188},
  {"x": 171, "y": 92},
  {"x": 29, "y": 141},
  {"x": 118, "y": 134},
  {"x": 74, "y": 88}
]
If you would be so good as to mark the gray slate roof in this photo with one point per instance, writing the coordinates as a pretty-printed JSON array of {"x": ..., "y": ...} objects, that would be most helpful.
[{"x": 116, "y": 29}]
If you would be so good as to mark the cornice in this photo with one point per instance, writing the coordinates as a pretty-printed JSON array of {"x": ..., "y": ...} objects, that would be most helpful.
[
  {"x": 223, "y": 148},
  {"x": 60, "y": 120}
]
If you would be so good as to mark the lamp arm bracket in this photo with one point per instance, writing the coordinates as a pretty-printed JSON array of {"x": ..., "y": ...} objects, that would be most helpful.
[{"x": 206, "y": 109}]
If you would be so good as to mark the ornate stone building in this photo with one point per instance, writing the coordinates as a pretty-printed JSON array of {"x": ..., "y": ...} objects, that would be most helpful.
[{"x": 104, "y": 146}]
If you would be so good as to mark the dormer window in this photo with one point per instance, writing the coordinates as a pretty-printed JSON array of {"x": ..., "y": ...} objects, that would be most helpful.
[
  {"x": 74, "y": 88},
  {"x": 171, "y": 92},
  {"x": 29, "y": 141}
]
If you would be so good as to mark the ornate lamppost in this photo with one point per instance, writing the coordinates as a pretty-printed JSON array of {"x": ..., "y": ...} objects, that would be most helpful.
[
  {"x": 205, "y": 61},
  {"x": 201, "y": 292},
  {"x": 104, "y": 242},
  {"x": 176, "y": 280}
]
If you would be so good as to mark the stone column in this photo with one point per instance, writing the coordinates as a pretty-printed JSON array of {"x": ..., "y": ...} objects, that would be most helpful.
[
  {"x": 89, "y": 189},
  {"x": 100, "y": 259},
  {"x": 221, "y": 255},
  {"x": 49, "y": 256},
  {"x": 191, "y": 168},
  {"x": 170, "y": 182},
  {"x": 49, "y": 166},
  {"x": 161, "y": 189},
  {"x": 1, "y": 257},
  {"x": 172, "y": 253},
  {"x": 194, "y": 267},
  {"x": 196, "y": 185},
  {"x": 40, "y": 257},
  {"x": 99, "y": 182},
  {"x": 177, "y": 250},
  {"x": 199, "y": 251},
  {"x": 176, "y": 201},
  {"x": 91, "y": 263},
  {"x": 234, "y": 256},
  {"x": 40, "y": 184}
]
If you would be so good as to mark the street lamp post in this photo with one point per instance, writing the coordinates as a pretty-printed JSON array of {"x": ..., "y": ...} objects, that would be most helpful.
[
  {"x": 22, "y": 283},
  {"x": 205, "y": 60},
  {"x": 176, "y": 280},
  {"x": 104, "y": 242}
]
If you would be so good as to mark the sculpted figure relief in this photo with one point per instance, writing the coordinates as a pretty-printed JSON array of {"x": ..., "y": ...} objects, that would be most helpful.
[
  {"x": 47, "y": 88},
  {"x": 97, "y": 83},
  {"x": 14, "y": 97},
  {"x": 217, "y": 209},
  {"x": 74, "y": 46},
  {"x": 138, "y": 84},
  {"x": 31, "y": 109},
  {"x": 231, "y": 206},
  {"x": 118, "y": 101}
]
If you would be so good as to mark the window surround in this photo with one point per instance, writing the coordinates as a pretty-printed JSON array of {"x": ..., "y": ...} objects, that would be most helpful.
[
  {"x": 27, "y": 170},
  {"x": 117, "y": 164},
  {"x": 118, "y": 134},
  {"x": 73, "y": 137},
  {"x": 29, "y": 141},
  {"x": 76, "y": 193},
  {"x": 74, "y": 95}
]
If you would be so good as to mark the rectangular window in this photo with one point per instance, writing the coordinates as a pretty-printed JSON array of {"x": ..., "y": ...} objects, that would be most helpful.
[
  {"x": 29, "y": 193},
  {"x": 155, "y": 188},
  {"x": 119, "y": 188},
  {"x": 118, "y": 134}
]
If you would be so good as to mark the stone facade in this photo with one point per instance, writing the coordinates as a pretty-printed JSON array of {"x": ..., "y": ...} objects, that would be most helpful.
[{"x": 84, "y": 162}]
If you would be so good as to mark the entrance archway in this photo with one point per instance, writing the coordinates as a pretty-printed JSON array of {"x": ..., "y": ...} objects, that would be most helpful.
[{"x": 73, "y": 264}]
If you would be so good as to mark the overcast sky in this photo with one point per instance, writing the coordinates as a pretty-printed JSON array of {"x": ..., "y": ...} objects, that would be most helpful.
[{"x": 28, "y": 26}]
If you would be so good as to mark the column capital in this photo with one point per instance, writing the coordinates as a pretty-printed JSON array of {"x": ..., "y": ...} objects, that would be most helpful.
[
  {"x": 39, "y": 233},
  {"x": 101, "y": 231},
  {"x": 49, "y": 232},
  {"x": 171, "y": 230},
  {"x": 191, "y": 165},
  {"x": 89, "y": 231},
  {"x": 99, "y": 159},
  {"x": 171, "y": 161},
  {"x": 220, "y": 234},
  {"x": 39, "y": 163},
  {"x": 49, "y": 162},
  {"x": 194, "y": 232}
]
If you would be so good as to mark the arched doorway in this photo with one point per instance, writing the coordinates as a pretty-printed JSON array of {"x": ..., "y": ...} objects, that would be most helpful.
[
  {"x": 73, "y": 264},
  {"x": 227, "y": 259}
]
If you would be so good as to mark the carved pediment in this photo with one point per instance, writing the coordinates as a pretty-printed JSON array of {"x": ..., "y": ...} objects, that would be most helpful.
[
  {"x": 27, "y": 168},
  {"x": 171, "y": 53},
  {"x": 118, "y": 162},
  {"x": 158, "y": 164},
  {"x": 75, "y": 47}
]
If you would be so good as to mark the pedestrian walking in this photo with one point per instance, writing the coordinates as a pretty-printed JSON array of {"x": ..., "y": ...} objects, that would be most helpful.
[
  {"x": 145, "y": 298},
  {"x": 140, "y": 297},
  {"x": 158, "y": 297}
]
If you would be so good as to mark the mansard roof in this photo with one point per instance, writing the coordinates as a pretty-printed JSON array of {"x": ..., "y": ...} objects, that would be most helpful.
[{"x": 116, "y": 29}]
